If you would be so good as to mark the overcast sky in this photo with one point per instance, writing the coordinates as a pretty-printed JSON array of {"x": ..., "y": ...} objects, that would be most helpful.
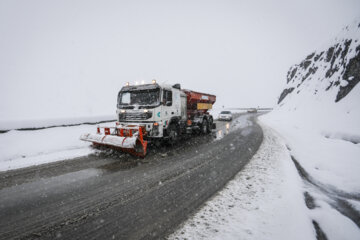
[{"x": 70, "y": 58}]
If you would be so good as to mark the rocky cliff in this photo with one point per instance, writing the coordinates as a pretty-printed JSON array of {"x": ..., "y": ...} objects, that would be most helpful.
[{"x": 335, "y": 69}]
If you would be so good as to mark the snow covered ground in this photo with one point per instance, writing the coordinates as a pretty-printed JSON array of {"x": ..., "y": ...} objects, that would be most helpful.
[
  {"x": 263, "y": 201},
  {"x": 26, "y": 148},
  {"x": 43, "y": 123},
  {"x": 330, "y": 160},
  {"x": 329, "y": 168},
  {"x": 323, "y": 142},
  {"x": 269, "y": 200}
]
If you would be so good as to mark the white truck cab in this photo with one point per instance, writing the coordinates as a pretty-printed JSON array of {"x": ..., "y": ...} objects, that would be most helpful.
[{"x": 152, "y": 106}]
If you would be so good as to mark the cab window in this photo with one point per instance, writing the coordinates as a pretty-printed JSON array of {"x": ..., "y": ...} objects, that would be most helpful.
[{"x": 167, "y": 98}]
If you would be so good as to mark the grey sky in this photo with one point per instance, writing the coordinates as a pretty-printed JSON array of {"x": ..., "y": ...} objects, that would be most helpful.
[{"x": 70, "y": 58}]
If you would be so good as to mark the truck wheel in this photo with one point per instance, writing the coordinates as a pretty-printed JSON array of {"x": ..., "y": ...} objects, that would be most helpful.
[
  {"x": 210, "y": 126},
  {"x": 173, "y": 134},
  {"x": 204, "y": 127}
]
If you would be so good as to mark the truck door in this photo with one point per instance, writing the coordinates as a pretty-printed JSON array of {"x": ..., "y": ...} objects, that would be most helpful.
[{"x": 168, "y": 111}]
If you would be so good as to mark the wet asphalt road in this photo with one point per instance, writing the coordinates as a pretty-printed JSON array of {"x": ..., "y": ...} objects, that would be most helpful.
[{"x": 110, "y": 195}]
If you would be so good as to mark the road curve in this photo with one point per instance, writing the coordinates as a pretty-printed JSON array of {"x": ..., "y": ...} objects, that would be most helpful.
[{"x": 116, "y": 196}]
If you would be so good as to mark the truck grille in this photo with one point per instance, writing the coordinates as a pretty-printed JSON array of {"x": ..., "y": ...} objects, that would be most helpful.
[{"x": 135, "y": 116}]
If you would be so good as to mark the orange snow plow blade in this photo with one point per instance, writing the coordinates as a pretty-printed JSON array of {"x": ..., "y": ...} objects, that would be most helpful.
[{"x": 127, "y": 139}]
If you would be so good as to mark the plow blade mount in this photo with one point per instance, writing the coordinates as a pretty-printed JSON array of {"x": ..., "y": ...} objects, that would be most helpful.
[{"x": 133, "y": 145}]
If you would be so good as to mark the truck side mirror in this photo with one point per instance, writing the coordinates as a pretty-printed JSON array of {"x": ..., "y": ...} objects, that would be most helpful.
[{"x": 168, "y": 103}]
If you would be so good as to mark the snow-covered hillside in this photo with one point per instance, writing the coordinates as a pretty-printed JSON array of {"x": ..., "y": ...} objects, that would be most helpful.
[
  {"x": 323, "y": 89},
  {"x": 318, "y": 116}
]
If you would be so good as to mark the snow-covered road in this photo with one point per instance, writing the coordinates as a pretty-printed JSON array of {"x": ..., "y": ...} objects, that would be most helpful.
[{"x": 109, "y": 195}]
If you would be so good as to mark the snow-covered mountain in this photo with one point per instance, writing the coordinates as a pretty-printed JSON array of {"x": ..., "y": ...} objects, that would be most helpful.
[
  {"x": 335, "y": 69},
  {"x": 322, "y": 91}
]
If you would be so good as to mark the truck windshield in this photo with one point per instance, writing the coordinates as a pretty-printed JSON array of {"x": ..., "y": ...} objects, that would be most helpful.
[{"x": 142, "y": 97}]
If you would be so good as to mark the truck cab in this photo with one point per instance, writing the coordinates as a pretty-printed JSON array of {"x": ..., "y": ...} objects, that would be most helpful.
[{"x": 152, "y": 106}]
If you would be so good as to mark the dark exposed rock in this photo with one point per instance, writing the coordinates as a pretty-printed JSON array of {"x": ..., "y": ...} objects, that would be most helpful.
[
  {"x": 320, "y": 235},
  {"x": 305, "y": 64},
  {"x": 291, "y": 74},
  {"x": 318, "y": 56},
  {"x": 311, "y": 71},
  {"x": 331, "y": 71},
  {"x": 346, "y": 209},
  {"x": 310, "y": 56},
  {"x": 333, "y": 68},
  {"x": 352, "y": 70},
  {"x": 346, "y": 49},
  {"x": 331, "y": 83},
  {"x": 302, "y": 172},
  {"x": 285, "y": 93},
  {"x": 329, "y": 54},
  {"x": 309, "y": 201},
  {"x": 336, "y": 55}
]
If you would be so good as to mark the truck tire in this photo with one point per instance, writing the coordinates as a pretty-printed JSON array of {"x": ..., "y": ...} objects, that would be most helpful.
[
  {"x": 210, "y": 125},
  {"x": 204, "y": 127},
  {"x": 173, "y": 134}
]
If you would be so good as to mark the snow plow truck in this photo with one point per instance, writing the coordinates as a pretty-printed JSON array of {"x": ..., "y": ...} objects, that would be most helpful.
[{"x": 156, "y": 113}]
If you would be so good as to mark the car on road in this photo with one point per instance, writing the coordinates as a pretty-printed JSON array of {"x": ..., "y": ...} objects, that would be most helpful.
[
  {"x": 225, "y": 115},
  {"x": 252, "y": 110}
]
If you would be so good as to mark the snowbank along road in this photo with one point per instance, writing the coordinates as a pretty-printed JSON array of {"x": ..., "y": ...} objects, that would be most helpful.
[{"x": 109, "y": 195}]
